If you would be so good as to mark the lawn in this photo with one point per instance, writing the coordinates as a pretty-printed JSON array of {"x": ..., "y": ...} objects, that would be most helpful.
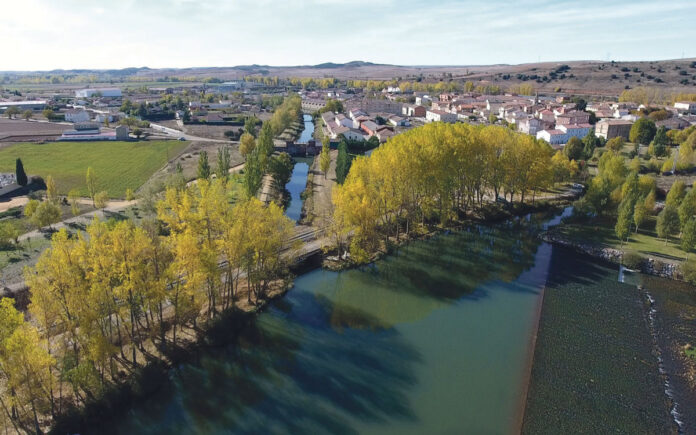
[
  {"x": 601, "y": 232},
  {"x": 117, "y": 165}
]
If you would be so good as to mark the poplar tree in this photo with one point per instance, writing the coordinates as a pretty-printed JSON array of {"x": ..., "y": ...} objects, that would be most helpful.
[
  {"x": 20, "y": 174},
  {"x": 203, "y": 166}
]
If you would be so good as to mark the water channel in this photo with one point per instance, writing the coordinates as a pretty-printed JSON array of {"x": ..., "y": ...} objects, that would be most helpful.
[
  {"x": 298, "y": 180},
  {"x": 434, "y": 339}
]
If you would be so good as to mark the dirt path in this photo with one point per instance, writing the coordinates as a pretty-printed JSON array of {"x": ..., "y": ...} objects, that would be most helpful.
[
  {"x": 321, "y": 207},
  {"x": 17, "y": 201}
]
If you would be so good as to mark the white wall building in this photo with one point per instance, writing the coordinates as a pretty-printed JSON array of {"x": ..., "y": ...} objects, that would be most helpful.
[
  {"x": 440, "y": 116},
  {"x": 104, "y": 92},
  {"x": 76, "y": 116},
  {"x": 686, "y": 106}
]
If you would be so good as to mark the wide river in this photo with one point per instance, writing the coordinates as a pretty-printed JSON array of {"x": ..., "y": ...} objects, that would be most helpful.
[{"x": 434, "y": 339}]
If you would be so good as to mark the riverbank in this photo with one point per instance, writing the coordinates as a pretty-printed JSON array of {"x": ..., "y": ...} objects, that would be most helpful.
[
  {"x": 488, "y": 214},
  {"x": 649, "y": 265},
  {"x": 593, "y": 369}
]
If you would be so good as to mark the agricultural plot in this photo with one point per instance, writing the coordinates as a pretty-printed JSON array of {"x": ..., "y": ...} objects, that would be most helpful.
[{"x": 117, "y": 165}]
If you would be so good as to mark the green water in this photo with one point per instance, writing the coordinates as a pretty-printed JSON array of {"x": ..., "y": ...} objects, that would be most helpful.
[{"x": 432, "y": 340}]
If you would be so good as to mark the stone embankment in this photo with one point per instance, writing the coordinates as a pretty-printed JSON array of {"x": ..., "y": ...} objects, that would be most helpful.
[{"x": 649, "y": 266}]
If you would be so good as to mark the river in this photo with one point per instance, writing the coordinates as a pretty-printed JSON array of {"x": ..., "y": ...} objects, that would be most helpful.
[{"x": 435, "y": 339}]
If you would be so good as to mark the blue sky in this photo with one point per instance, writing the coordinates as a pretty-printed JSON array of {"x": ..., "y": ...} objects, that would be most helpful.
[{"x": 48, "y": 34}]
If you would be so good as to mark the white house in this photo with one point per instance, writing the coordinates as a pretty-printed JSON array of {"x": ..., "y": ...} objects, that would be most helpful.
[
  {"x": 104, "y": 92},
  {"x": 398, "y": 121},
  {"x": 343, "y": 120},
  {"x": 349, "y": 133},
  {"x": 530, "y": 126},
  {"x": 423, "y": 101},
  {"x": 554, "y": 137},
  {"x": 686, "y": 107},
  {"x": 76, "y": 116},
  {"x": 440, "y": 115},
  {"x": 575, "y": 130}
]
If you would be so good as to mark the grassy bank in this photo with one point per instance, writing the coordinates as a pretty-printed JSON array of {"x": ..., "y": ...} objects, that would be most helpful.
[
  {"x": 600, "y": 232},
  {"x": 593, "y": 370},
  {"x": 118, "y": 165}
]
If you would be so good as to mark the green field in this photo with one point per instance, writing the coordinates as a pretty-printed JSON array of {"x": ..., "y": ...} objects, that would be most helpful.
[
  {"x": 118, "y": 165},
  {"x": 594, "y": 370}
]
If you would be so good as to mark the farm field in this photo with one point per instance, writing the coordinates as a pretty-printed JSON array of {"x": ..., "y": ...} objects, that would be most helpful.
[
  {"x": 117, "y": 165},
  {"x": 594, "y": 370}
]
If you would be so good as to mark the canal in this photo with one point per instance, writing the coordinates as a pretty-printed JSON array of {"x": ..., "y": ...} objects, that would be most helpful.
[
  {"x": 434, "y": 339},
  {"x": 298, "y": 180}
]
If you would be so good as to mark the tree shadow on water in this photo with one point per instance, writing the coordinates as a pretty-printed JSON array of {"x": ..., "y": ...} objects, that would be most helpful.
[{"x": 289, "y": 371}]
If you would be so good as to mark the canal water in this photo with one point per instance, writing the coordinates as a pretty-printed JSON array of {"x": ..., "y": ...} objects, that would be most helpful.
[
  {"x": 298, "y": 180},
  {"x": 434, "y": 339},
  {"x": 308, "y": 132},
  {"x": 296, "y": 185}
]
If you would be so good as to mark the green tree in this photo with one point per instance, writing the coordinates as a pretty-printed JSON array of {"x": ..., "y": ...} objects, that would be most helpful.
[
  {"x": 574, "y": 149},
  {"x": 667, "y": 222},
  {"x": 640, "y": 213},
  {"x": 31, "y": 207},
  {"x": 203, "y": 166},
  {"x": 247, "y": 144},
  {"x": 11, "y": 112},
  {"x": 687, "y": 208},
  {"x": 48, "y": 114},
  {"x": 642, "y": 131},
  {"x": 222, "y": 169},
  {"x": 137, "y": 132},
  {"x": 253, "y": 174},
  {"x": 101, "y": 199},
  {"x": 28, "y": 114},
  {"x": 688, "y": 269},
  {"x": 324, "y": 159},
  {"x": 250, "y": 125},
  {"x": 658, "y": 146},
  {"x": 590, "y": 142},
  {"x": 676, "y": 193},
  {"x": 280, "y": 168},
  {"x": 51, "y": 190},
  {"x": 129, "y": 194},
  {"x": 623, "y": 222},
  {"x": 688, "y": 239},
  {"x": 46, "y": 214},
  {"x": 615, "y": 144},
  {"x": 73, "y": 197},
  {"x": 265, "y": 141},
  {"x": 20, "y": 174},
  {"x": 342, "y": 163}
]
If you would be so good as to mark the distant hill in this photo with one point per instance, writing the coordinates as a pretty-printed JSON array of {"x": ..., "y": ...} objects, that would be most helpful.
[
  {"x": 589, "y": 77},
  {"x": 352, "y": 64}
]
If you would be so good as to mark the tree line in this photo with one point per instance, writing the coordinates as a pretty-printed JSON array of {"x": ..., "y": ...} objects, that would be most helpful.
[
  {"x": 437, "y": 173},
  {"x": 108, "y": 300}
]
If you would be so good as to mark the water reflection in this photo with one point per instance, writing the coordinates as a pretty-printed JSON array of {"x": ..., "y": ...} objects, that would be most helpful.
[{"x": 433, "y": 339}]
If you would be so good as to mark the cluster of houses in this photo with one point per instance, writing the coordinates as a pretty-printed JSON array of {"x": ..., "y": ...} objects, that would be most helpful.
[
  {"x": 358, "y": 125},
  {"x": 552, "y": 119}
]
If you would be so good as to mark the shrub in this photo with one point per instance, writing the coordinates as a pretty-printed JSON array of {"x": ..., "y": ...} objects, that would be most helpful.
[{"x": 632, "y": 260}]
